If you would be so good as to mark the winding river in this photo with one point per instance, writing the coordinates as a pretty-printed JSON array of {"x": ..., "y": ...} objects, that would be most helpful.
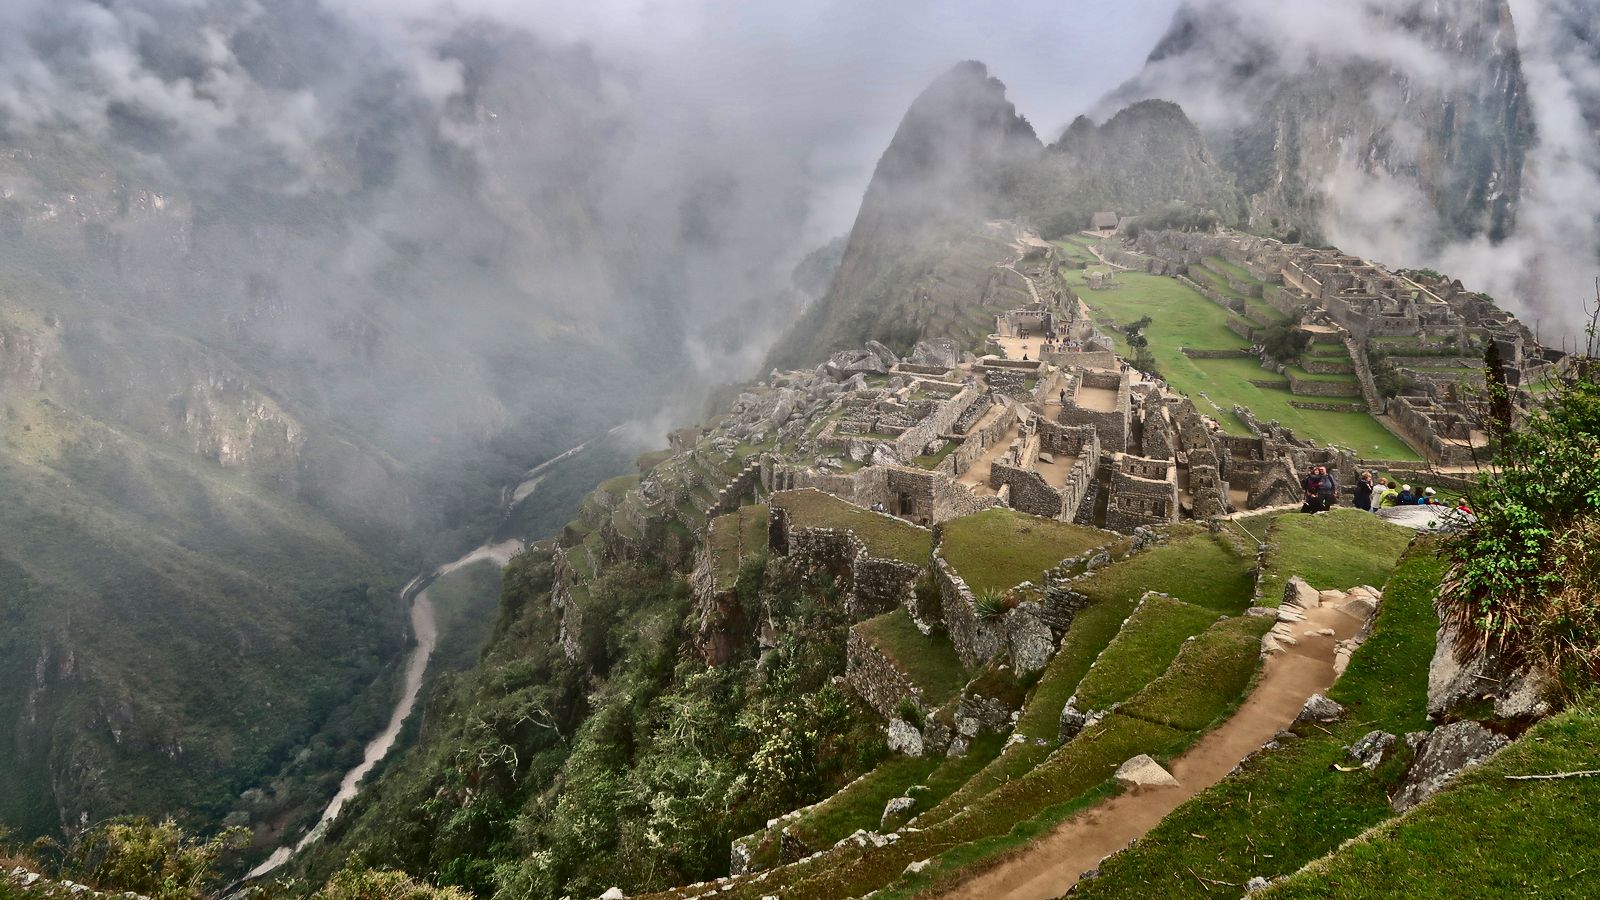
[{"x": 425, "y": 629}]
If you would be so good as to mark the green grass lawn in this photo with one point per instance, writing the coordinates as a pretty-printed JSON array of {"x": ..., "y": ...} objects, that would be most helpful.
[
  {"x": 734, "y": 538},
  {"x": 1239, "y": 273},
  {"x": 1334, "y": 377},
  {"x": 930, "y": 660},
  {"x": 1194, "y": 566},
  {"x": 1183, "y": 318},
  {"x": 1335, "y": 550},
  {"x": 1206, "y": 678},
  {"x": 1141, "y": 651},
  {"x": 885, "y": 536},
  {"x": 1286, "y": 808},
  {"x": 1484, "y": 836},
  {"x": 931, "y": 460},
  {"x": 1001, "y": 548}
]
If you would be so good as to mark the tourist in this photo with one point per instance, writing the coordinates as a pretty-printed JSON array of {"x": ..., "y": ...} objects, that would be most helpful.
[
  {"x": 1388, "y": 497},
  {"x": 1312, "y": 485},
  {"x": 1063, "y": 396},
  {"x": 1462, "y": 507},
  {"x": 1328, "y": 495},
  {"x": 1406, "y": 498},
  {"x": 1429, "y": 498},
  {"x": 1364, "y": 492}
]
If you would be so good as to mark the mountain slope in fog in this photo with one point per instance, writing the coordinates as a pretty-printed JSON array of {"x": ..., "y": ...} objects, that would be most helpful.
[
  {"x": 281, "y": 311},
  {"x": 1333, "y": 118}
]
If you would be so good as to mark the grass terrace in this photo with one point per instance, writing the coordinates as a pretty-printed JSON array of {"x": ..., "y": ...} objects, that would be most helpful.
[
  {"x": 620, "y": 485},
  {"x": 1332, "y": 551},
  {"x": 1288, "y": 807},
  {"x": 1181, "y": 317},
  {"x": 930, "y": 660},
  {"x": 1141, "y": 651},
  {"x": 1239, "y": 273},
  {"x": 1000, "y": 548},
  {"x": 932, "y": 460},
  {"x": 734, "y": 538},
  {"x": 885, "y": 536}
]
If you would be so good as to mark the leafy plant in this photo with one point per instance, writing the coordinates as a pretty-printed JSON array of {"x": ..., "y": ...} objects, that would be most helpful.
[
  {"x": 1523, "y": 575},
  {"x": 990, "y": 603}
]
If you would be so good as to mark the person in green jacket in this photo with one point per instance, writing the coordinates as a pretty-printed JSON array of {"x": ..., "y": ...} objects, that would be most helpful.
[{"x": 1386, "y": 496}]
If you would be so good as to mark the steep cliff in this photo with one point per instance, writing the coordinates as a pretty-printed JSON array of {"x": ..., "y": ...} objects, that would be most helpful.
[
  {"x": 937, "y": 181},
  {"x": 1336, "y": 118}
]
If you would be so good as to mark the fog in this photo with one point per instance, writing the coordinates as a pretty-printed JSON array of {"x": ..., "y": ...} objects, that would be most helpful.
[{"x": 1543, "y": 266}]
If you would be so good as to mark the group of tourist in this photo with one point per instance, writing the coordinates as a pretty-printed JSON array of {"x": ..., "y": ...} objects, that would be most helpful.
[{"x": 1321, "y": 489}]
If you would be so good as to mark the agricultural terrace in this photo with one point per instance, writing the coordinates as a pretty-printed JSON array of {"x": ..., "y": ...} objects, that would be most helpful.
[
  {"x": 929, "y": 660},
  {"x": 734, "y": 538},
  {"x": 885, "y": 536},
  {"x": 1000, "y": 548},
  {"x": 1181, "y": 317}
]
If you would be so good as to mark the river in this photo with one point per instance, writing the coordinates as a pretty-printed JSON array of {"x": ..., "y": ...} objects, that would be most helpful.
[{"x": 425, "y": 629}]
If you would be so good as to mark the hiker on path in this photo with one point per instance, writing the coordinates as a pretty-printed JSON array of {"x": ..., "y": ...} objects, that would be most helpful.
[
  {"x": 1364, "y": 492},
  {"x": 1312, "y": 485}
]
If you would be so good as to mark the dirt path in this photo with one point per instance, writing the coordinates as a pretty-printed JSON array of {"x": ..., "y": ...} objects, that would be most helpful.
[{"x": 1054, "y": 863}]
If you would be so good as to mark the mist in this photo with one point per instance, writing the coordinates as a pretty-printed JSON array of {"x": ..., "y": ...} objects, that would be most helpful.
[{"x": 1397, "y": 63}]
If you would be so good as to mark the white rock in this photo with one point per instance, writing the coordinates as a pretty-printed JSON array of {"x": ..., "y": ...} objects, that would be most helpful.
[
  {"x": 1288, "y": 615},
  {"x": 1331, "y": 597},
  {"x": 904, "y": 738},
  {"x": 615, "y": 893},
  {"x": 1144, "y": 772},
  {"x": 918, "y": 866}
]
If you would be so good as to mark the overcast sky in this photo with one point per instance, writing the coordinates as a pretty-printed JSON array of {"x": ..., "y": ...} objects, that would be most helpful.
[{"x": 836, "y": 75}]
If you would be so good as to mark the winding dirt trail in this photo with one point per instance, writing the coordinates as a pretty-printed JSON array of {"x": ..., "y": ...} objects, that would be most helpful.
[{"x": 1053, "y": 864}]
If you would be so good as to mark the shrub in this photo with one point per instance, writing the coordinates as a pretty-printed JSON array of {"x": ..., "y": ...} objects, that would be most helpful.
[
  {"x": 161, "y": 860},
  {"x": 1284, "y": 341},
  {"x": 1523, "y": 575}
]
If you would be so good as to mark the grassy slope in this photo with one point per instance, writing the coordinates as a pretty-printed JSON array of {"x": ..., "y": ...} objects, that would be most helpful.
[
  {"x": 1194, "y": 566},
  {"x": 1183, "y": 318},
  {"x": 734, "y": 537},
  {"x": 1331, "y": 551},
  {"x": 930, "y": 660},
  {"x": 1288, "y": 807},
  {"x": 885, "y": 536},
  {"x": 1001, "y": 548},
  {"x": 1141, "y": 651},
  {"x": 1484, "y": 836}
]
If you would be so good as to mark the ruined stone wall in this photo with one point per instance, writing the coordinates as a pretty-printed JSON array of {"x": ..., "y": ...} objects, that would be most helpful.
[
  {"x": 914, "y": 440},
  {"x": 876, "y": 679},
  {"x": 976, "y": 640},
  {"x": 1029, "y": 491},
  {"x": 1137, "y": 499},
  {"x": 979, "y": 441},
  {"x": 1409, "y": 415},
  {"x": 1094, "y": 359},
  {"x": 1307, "y": 388},
  {"x": 873, "y": 585},
  {"x": 1111, "y": 426}
]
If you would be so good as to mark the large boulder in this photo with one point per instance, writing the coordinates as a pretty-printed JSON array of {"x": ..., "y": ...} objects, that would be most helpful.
[
  {"x": 1029, "y": 638},
  {"x": 1441, "y": 756},
  {"x": 904, "y": 738},
  {"x": 894, "y": 809},
  {"x": 1369, "y": 751},
  {"x": 943, "y": 353},
  {"x": 1518, "y": 693},
  {"x": 1318, "y": 708}
]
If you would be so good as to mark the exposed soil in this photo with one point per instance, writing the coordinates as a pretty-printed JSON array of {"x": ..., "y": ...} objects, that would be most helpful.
[{"x": 1053, "y": 864}]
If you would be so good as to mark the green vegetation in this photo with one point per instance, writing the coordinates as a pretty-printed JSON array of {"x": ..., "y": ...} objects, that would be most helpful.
[
  {"x": 1485, "y": 835},
  {"x": 1334, "y": 550},
  {"x": 1184, "y": 318},
  {"x": 1207, "y": 570},
  {"x": 159, "y": 860},
  {"x": 860, "y": 805},
  {"x": 1526, "y": 571},
  {"x": 1206, "y": 678},
  {"x": 735, "y": 538},
  {"x": 1000, "y": 548},
  {"x": 929, "y": 660},
  {"x": 1142, "y": 650},
  {"x": 932, "y": 460},
  {"x": 1290, "y": 806},
  {"x": 885, "y": 536},
  {"x": 465, "y": 604},
  {"x": 355, "y": 882}
]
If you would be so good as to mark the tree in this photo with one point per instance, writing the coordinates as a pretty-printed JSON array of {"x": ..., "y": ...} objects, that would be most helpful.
[{"x": 1284, "y": 341}]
